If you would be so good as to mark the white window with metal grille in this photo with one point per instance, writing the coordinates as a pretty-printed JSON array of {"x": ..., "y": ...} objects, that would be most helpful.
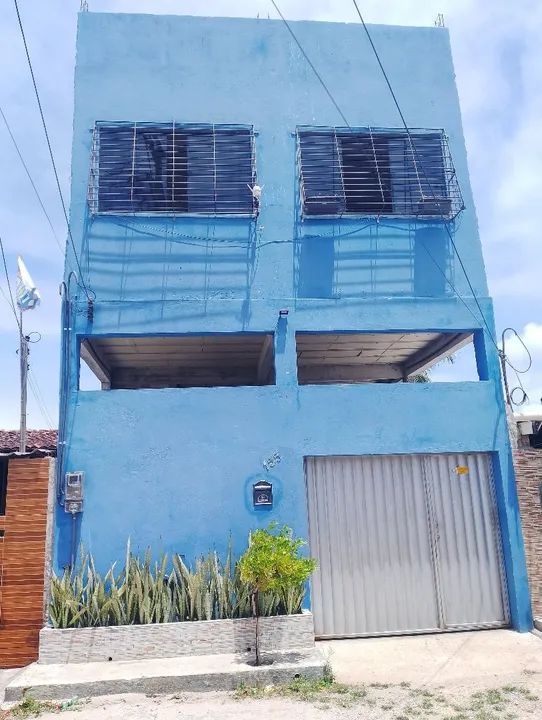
[
  {"x": 172, "y": 169},
  {"x": 375, "y": 172}
]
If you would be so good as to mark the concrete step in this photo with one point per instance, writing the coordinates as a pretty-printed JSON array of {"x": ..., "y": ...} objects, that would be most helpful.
[{"x": 169, "y": 675}]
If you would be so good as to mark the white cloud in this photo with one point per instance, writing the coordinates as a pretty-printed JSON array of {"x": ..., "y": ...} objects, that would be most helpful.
[{"x": 502, "y": 128}]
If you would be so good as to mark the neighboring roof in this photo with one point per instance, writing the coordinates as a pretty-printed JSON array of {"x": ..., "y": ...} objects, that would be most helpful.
[
  {"x": 519, "y": 417},
  {"x": 39, "y": 443}
]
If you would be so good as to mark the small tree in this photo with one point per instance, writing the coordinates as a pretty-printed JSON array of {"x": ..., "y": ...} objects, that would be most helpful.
[{"x": 272, "y": 562}]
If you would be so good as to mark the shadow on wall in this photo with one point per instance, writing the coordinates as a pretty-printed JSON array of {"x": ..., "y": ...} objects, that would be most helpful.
[
  {"x": 377, "y": 259},
  {"x": 156, "y": 258}
]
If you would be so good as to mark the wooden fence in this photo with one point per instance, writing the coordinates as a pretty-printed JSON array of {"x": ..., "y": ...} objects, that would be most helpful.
[{"x": 23, "y": 532}]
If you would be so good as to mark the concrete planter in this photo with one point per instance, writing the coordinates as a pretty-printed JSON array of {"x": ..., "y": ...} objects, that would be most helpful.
[{"x": 208, "y": 637}]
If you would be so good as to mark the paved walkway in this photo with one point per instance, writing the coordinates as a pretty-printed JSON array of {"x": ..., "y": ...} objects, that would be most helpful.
[{"x": 481, "y": 659}]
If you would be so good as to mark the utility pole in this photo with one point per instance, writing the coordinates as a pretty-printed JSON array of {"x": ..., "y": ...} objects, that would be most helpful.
[
  {"x": 28, "y": 298},
  {"x": 23, "y": 358}
]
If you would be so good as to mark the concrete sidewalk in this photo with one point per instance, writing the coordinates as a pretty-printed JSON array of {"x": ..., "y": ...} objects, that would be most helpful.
[
  {"x": 6, "y": 676},
  {"x": 188, "y": 673},
  {"x": 461, "y": 663},
  {"x": 467, "y": 676},
  {"x": 478, "y": 659}
]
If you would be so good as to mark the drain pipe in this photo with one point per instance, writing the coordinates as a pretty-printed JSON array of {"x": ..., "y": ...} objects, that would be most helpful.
[{"x": 73, "y": 541}]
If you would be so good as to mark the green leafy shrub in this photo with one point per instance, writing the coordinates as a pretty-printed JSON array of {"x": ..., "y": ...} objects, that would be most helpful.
[
  {"x": 272, "y": 565},
  {"x": 156, "y": 592},
  {"x": 272, "y": 561}
]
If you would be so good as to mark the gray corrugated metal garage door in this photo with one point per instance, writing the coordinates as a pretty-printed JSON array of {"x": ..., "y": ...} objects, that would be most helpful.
[{"x": 404, "y": 543}]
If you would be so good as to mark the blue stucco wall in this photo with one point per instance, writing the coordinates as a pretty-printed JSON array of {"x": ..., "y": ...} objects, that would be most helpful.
[{"x": 173, "y": 468}]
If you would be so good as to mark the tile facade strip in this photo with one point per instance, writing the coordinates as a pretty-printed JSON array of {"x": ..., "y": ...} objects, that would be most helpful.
[
  {"x": 208, "y": 637},
  {"x": 528, "y": 468}
]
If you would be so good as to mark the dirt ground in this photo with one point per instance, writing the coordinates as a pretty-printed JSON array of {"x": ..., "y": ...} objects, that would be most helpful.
[
  {"x": 313, "y": 701},
  {"x": 493, "y": 675}
]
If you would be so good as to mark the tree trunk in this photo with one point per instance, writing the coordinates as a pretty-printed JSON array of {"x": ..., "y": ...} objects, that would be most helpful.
[{"x": 256, "y": 614}]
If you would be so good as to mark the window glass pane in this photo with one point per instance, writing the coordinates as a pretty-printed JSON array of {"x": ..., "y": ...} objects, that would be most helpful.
[
  {"x": 323, "y": 192},
  {"x": 174, "y": 169},
  {"x": 377, "y": 172},
  {"x": 115, "y": 168},
  {"x": 233, "y": 171},
  {"x": 366, "y": 174},
  {"x": 201, "y": 171}
]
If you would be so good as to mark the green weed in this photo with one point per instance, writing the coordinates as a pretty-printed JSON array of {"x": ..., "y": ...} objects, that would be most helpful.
[
  {"x": 324, "y": 690},
  {"x": 30, "y": 707}
]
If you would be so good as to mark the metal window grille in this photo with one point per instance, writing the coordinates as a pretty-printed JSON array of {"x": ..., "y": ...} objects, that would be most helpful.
[
  {"x": 377, "y": 172},
  {"x": 173, "y": 169}
]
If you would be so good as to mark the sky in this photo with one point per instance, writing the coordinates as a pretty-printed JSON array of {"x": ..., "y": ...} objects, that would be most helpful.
[{"x": 498, "y": 61}]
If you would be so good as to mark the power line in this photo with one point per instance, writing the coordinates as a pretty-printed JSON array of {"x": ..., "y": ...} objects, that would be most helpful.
[
  {"x": 27, "y": 171},
  {"x": 315, "y": 71},
  {"x": 414, "y": 151},
  {"x": 38, "y": 396},
  {"x": 416, "y": 162},
  {"x": 170, "y": 236},
  {"x": 382, "y": 68},
  {"x": 530, "y": 359},
  {"x": 51, "y": 155},
  {"x": 144, "y": 230},
  {"x": 501, "y": 351},
  {"x": 505, "y": 361},
  {"x": 412, "y": 145},
  {"x": 5, "y": 296},
  {"x": 450, "y": 283},
  {"x": 10, "y": 300},
  {"x": 41, "y": 408}
]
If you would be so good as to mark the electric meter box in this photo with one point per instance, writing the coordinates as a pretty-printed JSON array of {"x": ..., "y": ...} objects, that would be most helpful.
[{"x": 73, "y": 492}]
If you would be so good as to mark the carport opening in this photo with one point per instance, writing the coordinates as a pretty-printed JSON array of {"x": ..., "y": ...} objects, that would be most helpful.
[
  {"x": 177, "y": 361},
  {"x": 327, "y": 358}
]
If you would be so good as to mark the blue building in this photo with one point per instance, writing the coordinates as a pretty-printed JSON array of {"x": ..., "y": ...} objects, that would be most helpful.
[{"x": 260, "y": 280}]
